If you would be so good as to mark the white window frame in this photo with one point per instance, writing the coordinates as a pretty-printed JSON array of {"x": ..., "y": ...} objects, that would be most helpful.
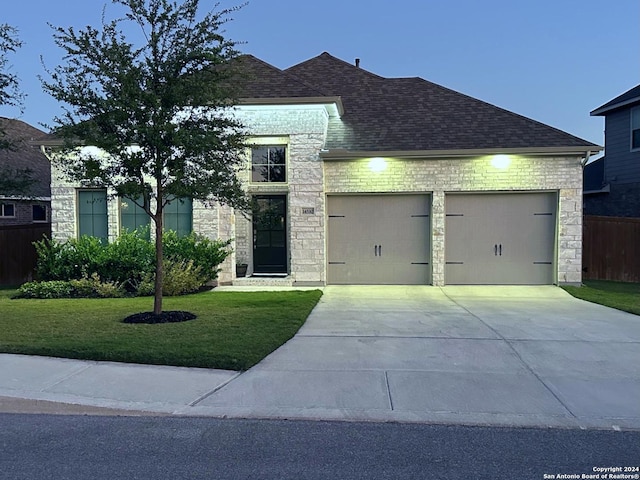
[
  {"x": 2, "y": 212},
  {"x": 264, "y": 142}
]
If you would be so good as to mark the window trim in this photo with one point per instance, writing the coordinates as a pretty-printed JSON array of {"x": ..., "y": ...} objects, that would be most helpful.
[
  {"x": 262, "y": 142},
  {"x": 632, "y": 129},
  {"x": 2, "y": 214}
]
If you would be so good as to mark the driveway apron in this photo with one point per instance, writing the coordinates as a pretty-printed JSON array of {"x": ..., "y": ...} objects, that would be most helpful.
[{"x": 529, "y": 356}]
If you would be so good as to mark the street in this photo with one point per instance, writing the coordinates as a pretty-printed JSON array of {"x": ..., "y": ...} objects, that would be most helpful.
[{"x": 36, "y": 447}]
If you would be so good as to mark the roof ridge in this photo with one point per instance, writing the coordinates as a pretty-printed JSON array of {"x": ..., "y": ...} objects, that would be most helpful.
[
  {"x": 288, "y": 74},
  {"x": 336, "y": 59}
]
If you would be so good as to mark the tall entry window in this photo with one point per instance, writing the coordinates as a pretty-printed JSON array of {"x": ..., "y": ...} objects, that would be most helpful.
[
  {"x": 178, "y": 216},
  {"x": 269, "y": 163},
  {"x": 132, "y": 216},
  {"x": 92, "y": 214},
  {"x": 270, "y": 234}
]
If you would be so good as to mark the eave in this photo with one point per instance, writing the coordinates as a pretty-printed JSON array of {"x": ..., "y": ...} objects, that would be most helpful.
[
  {"x": 342, "y": 154},
  {"x": 333, "y": 105}
]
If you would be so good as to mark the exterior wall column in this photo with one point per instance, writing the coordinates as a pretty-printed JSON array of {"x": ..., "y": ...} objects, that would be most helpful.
[{"x": 437, "y": 237}]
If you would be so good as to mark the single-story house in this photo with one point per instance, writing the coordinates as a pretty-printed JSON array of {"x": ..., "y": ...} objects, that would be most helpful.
[{"x": 361, "y": 179}]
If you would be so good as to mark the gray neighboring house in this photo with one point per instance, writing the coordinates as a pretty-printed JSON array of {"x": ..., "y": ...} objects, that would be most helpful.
[
  {"x": 361, "y": 179},
  {"x": 33, "y": 205},
  {"x": 612, "y": 183}
]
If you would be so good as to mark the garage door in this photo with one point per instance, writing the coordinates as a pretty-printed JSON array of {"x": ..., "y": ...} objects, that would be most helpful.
[
  {"x": 379, "y": 239},
  {"x": 500, "y": 239}
]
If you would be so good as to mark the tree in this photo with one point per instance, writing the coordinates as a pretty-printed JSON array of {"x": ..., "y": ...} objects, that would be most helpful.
[
  {"x": 9, "y": 88},
  {"x": 156, "y": 106}
]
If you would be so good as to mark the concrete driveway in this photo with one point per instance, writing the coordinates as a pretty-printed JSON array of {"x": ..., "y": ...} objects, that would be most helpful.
[{"x": 480, "y": 355}]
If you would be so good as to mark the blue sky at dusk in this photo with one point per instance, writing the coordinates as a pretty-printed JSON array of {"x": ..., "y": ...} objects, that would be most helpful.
[{"x": 550, "y": 60}]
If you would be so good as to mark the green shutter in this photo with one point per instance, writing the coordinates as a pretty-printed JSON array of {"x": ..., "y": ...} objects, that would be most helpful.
[{"x": 92, "y": 214}]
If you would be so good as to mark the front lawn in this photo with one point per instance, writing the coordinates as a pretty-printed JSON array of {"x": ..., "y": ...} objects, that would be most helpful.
[
  {"x": 623, "y": 296},
  {"x": 234, "y": 330}
]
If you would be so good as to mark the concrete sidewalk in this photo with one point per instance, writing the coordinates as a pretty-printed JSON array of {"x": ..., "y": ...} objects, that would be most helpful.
[{"x": 525, "y": 356}]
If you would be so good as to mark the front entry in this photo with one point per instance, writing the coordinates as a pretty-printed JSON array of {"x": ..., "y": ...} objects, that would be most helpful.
[{"x": 270, "y": 234}]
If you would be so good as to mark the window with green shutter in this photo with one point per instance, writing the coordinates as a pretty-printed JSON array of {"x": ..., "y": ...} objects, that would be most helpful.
[
  {"x": 133, "y": 216},
  {"x": 178, "y": 216}
]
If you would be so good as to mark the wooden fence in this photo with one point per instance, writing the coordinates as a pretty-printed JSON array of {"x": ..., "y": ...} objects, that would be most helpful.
[
  {"x": 17, "y": 253},
  {"x": 611, "y": 249}
]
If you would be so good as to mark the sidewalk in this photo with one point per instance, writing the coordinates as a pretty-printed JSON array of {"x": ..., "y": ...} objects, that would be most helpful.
[{"x": 510, "y": 356}]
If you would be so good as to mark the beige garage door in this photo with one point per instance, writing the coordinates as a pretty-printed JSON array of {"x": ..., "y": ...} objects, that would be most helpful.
[
  {"x": 500, "y": 239},
  {"x": 379, "y": 239}
]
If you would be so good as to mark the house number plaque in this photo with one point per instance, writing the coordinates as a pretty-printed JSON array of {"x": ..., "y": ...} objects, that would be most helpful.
[{"x": 308, "y": 210}]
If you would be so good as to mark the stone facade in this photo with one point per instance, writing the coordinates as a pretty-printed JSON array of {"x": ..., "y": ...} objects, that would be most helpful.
[
  {"x": 310, "y": 180},
  {"x": 441, "y": 176}
]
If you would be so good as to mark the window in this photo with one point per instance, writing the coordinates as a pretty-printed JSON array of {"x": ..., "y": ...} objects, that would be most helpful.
[
  {"x": 7, "y": 210},
  {"x": 92, "y": 214},
  {"x": 635, "y": 128},
  {"x": 268, "y": 163},
  {"x": 38, "y": 213},
  {"x": 178, "y": 216},
  {"x": 132, "y": 216}
]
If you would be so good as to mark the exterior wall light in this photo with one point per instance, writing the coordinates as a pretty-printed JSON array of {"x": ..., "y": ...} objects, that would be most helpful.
[
  {"x": 377, "y": 165},
  {"x": 501, "y": 161}
]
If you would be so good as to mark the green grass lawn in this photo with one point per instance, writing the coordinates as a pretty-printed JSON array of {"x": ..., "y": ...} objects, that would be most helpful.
[
  {"x": 623, "y": 296},
  {"x": 234, "y": 330}
]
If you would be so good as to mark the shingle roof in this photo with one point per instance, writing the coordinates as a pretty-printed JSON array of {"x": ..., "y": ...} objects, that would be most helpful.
[
  {"x": 25, "y": 154},
  {"x": 400, "y": 114},
  {"x": 628, "y": 98},
  {"x": 261, "y": 80}
]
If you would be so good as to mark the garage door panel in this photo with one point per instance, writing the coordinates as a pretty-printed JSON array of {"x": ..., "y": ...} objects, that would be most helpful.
[
  {"x": 379, "y": 239},
  {"x": 500, "y": 238}
]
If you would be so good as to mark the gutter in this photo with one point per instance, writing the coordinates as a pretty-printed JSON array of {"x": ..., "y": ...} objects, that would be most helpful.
[{"x": 343, "y": 154}]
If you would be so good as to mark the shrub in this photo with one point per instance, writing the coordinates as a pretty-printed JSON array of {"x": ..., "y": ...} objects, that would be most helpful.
[
  {"x": 181, "y": 277},
  {"x": 93, "y": 287},
  {"x": 70, "y": 259},
  {"x": 128, "y": 259},
  {"x": 206, "y": 254},
  {"x": 49, "y": 289}
]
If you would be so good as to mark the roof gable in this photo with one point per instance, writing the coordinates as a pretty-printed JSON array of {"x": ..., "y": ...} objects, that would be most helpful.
[{"x": 628, "y": 98}]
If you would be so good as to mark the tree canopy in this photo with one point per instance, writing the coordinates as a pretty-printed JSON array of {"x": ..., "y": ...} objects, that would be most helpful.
[
  {"x": 153, "y": 91},
  {"x": 10, "y": 93}
]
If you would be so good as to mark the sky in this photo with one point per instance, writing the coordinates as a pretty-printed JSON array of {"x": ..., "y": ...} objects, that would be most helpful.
[{"x": 550, "y": 60}]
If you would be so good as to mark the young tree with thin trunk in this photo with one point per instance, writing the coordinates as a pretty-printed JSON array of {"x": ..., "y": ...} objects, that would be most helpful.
[{"x": 153, "y": 92}]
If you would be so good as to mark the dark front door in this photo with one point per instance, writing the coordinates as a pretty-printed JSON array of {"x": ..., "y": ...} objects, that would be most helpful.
[{"x": 269, "y": 234}]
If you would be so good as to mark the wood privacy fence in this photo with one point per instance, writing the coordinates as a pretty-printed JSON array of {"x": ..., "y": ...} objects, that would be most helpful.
[
  {"x": 17, "y": 253},
  {"x": 611, "y": 249}
]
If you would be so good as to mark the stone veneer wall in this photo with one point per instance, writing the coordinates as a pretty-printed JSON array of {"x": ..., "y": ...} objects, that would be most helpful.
[
  {"x": 305, "y": 128},
  {"x": 438, "y": 177}
]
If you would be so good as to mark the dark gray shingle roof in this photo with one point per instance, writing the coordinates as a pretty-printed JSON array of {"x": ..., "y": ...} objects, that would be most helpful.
[
  {"x": 412, "y": 114},
  {"x": 401, "y": 114}
]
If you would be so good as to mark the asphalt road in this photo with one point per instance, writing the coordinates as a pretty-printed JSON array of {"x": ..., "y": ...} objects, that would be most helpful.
[{"x": 71, "y": 447}]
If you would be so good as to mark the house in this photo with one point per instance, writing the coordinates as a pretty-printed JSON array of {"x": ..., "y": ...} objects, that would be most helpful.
[
  {"x": 361, "y": 179},
  {"x": 612, "y": 183},
  {"x": 30, "y": 202}
]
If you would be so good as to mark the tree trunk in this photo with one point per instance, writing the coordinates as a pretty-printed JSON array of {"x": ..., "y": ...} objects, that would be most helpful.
[{"x": 157, "y": 302}]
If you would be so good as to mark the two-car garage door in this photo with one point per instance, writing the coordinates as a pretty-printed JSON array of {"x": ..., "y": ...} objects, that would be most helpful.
[{"x": 498, "y": 238}]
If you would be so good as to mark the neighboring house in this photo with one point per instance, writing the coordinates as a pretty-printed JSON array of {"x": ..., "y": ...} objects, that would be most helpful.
[
  {"x": 33, "y": 204},
  {"x": 361, "y": 179},
  {"x": 612, "y": 183}
]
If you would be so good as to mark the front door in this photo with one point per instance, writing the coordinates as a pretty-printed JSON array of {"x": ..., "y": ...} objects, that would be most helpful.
[{"x": 270, "y": 234}]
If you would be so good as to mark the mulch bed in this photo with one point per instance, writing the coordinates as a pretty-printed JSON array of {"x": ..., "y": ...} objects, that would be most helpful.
[{"x": 164, "y": 317}]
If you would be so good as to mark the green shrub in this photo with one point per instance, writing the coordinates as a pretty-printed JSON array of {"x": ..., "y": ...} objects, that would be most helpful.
[
  {"x": 206, "y": 254},
  {"x": 92, "y": 286},
  {"x": 181, "y": 277},
  {"x": 128, "y": 259},
  {"x": 49, "y": 289},
  {"x": 128, "y": 263}
]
